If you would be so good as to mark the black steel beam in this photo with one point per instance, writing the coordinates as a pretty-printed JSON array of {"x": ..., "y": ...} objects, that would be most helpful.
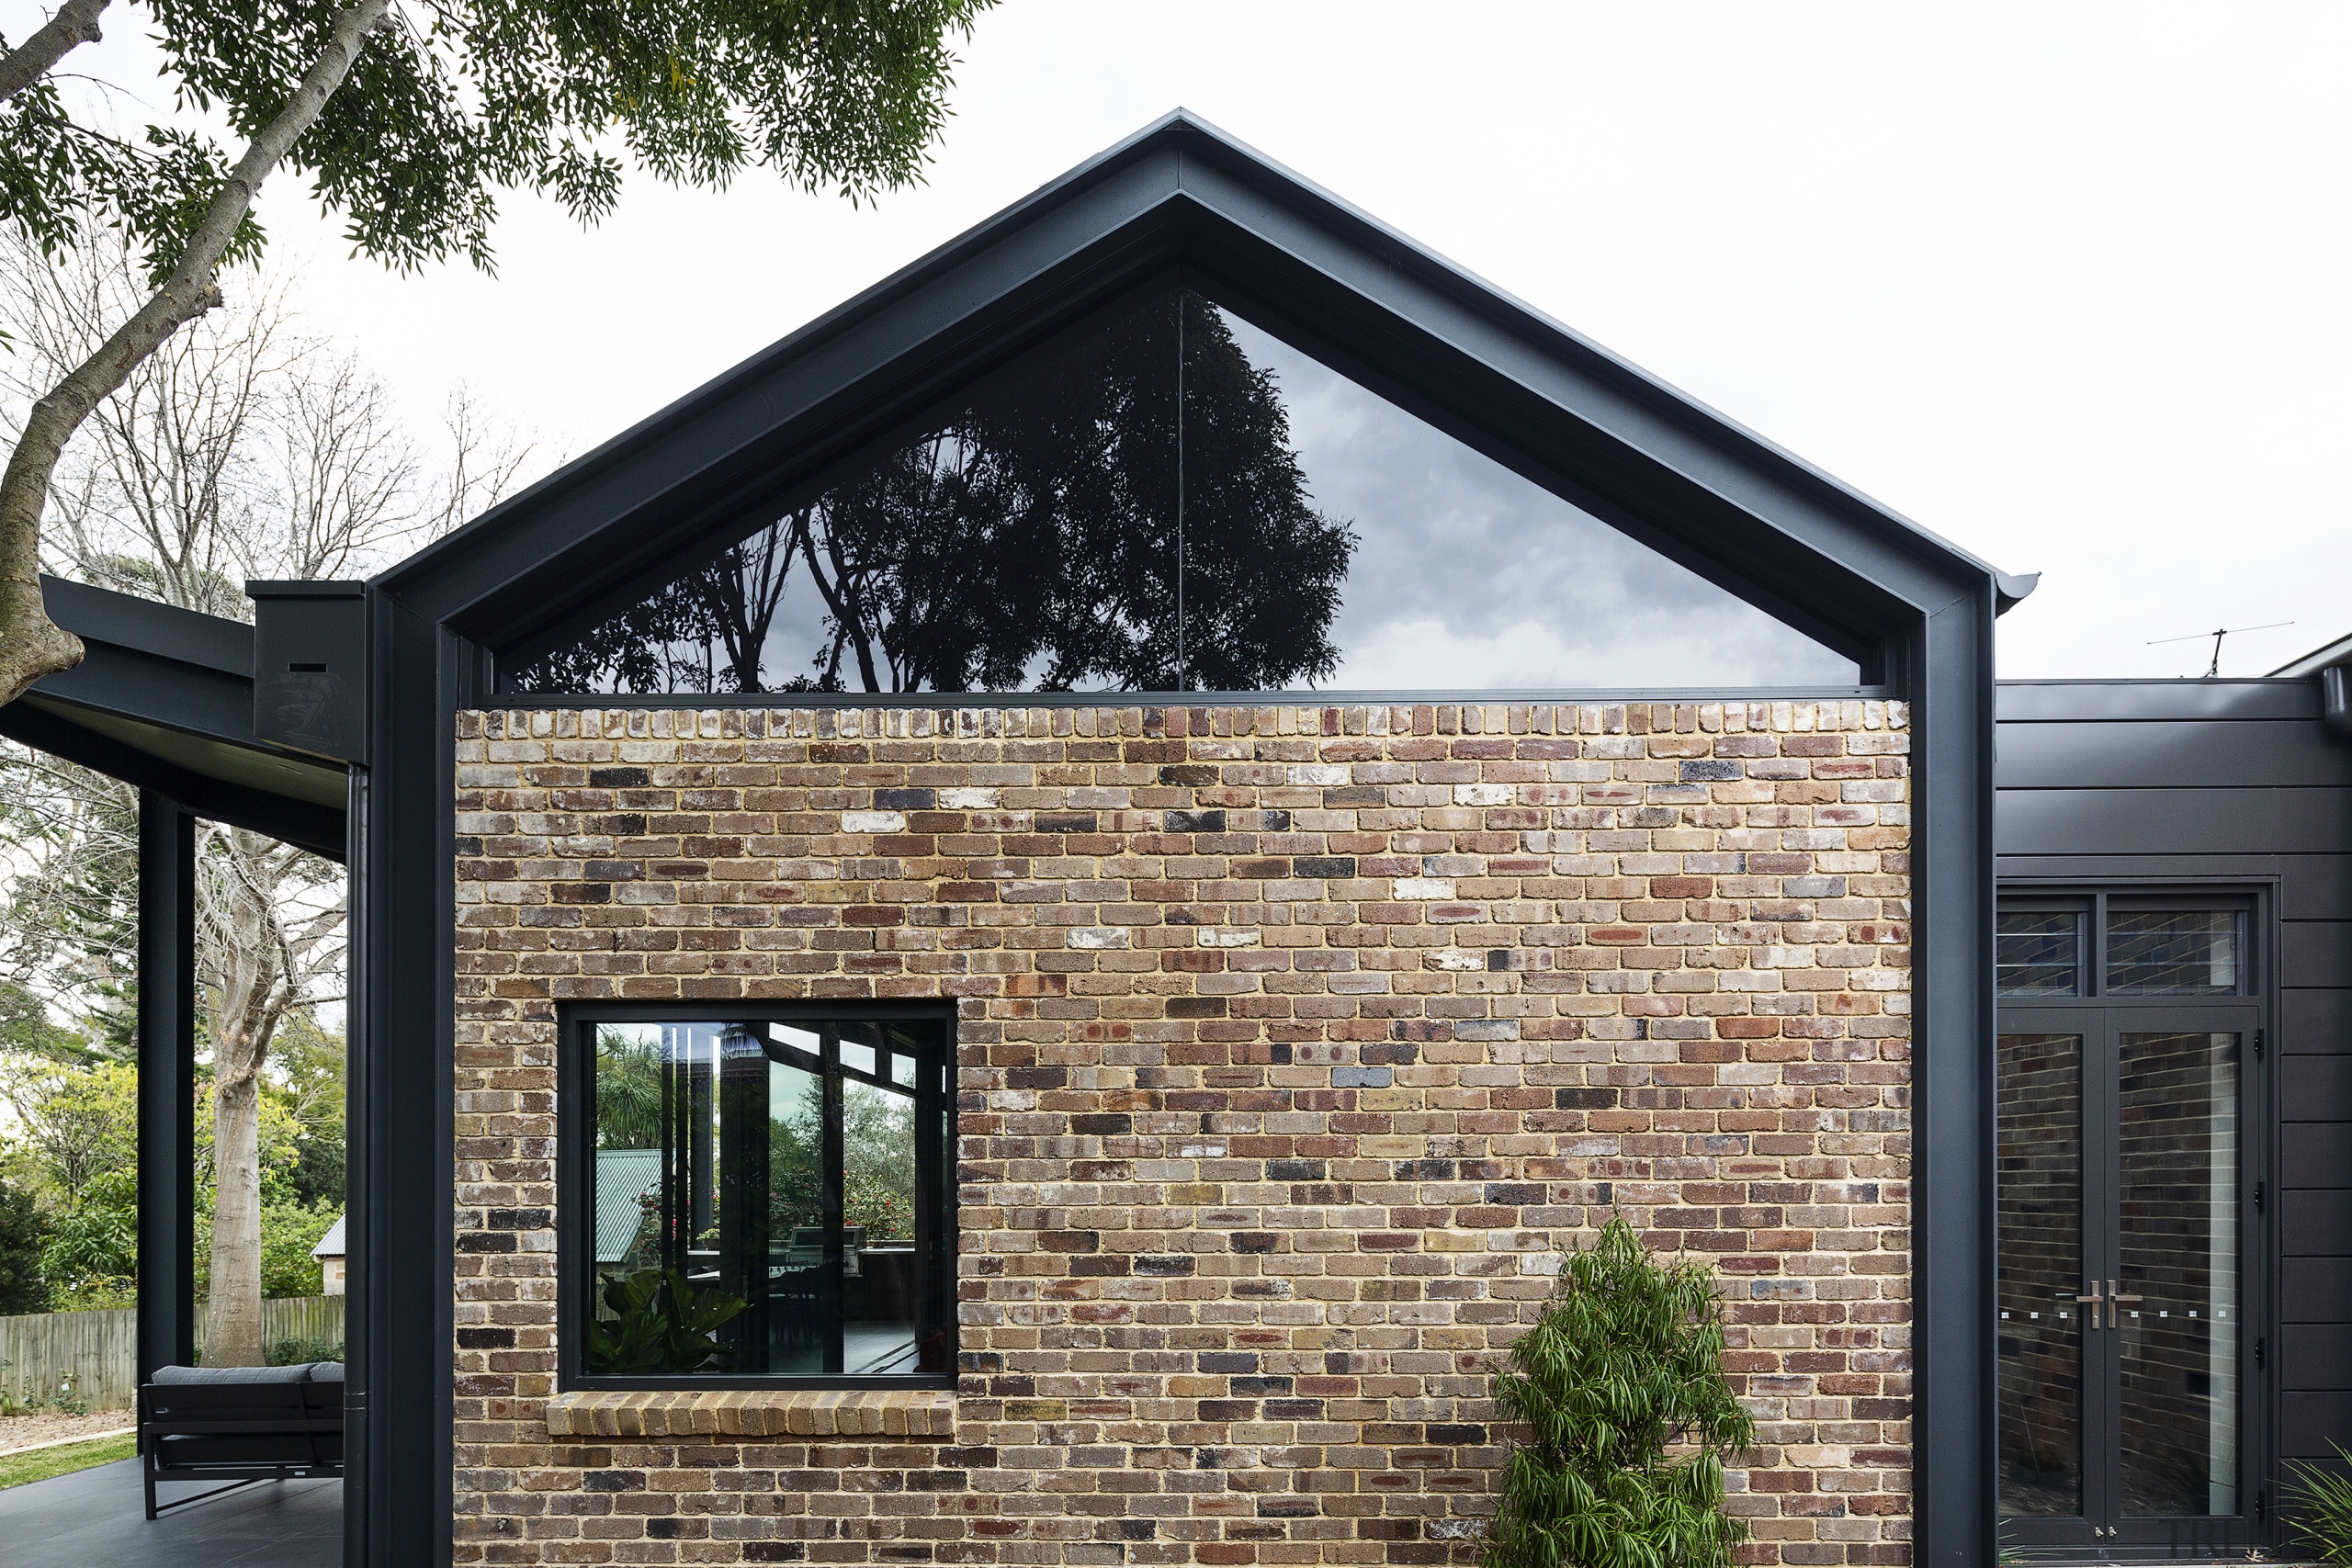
[
  {"x": 1953, "y": 1467},
  {"x": 398, "y": 1490},
  {"x": 167, "y": 1032}
]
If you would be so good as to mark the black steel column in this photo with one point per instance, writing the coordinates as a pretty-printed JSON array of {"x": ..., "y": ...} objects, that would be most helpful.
[{"x": 166, "y": 1084}]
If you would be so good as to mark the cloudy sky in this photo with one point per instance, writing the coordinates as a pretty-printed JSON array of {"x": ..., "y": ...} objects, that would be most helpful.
[{"x": 2063, "y": 284}]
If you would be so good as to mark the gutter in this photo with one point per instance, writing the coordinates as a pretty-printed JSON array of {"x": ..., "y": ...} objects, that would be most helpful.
[{"x": 2332, "y": 665}]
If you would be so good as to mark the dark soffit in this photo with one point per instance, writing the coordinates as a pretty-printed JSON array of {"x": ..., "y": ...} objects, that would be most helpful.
[{"x": 1451, "y": 348}]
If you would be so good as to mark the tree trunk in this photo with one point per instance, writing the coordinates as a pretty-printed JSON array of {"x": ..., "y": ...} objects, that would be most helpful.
[
  {"x": 31, "y": 646},
  {"x": 249, "y": 994},
  {"x": 233, "y": 1319}
]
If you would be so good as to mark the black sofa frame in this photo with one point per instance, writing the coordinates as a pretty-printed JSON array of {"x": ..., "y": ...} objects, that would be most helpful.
[{"x": 301, "y": 1422}]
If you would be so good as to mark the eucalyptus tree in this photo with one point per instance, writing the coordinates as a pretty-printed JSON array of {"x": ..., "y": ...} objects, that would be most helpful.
[
  {"x": 409, "y": 118},
  {"x": 243, "y": 448}
]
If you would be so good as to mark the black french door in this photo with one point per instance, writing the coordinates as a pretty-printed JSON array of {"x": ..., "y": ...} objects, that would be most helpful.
[{"x": 2124, "y": 1214}]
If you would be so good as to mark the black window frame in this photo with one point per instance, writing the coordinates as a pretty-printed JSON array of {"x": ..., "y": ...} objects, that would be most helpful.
[
  {"x": 575, "y": 1163},
  {"x": 2093, "y": 908}
]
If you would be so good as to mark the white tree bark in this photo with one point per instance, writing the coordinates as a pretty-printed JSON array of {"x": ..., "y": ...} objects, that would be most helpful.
[{"x": 263, "y": 954}]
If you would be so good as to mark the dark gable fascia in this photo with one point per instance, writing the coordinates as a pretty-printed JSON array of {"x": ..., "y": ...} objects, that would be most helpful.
[
  {"x": 1570, "y": 416},
  {"x": 1522, "y": 387}
]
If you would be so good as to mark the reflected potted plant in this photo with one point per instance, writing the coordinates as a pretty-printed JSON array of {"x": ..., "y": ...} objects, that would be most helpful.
[{"x": 660, "y": 1325}]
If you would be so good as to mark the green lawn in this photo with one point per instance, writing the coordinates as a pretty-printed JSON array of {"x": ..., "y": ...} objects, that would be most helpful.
[{"x": 39, "y": 1464}]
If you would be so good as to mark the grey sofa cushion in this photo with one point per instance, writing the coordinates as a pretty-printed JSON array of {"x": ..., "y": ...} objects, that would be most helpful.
[
  {"x": 326, "y": 1372},
  {"x": 230, "y": 1374}
]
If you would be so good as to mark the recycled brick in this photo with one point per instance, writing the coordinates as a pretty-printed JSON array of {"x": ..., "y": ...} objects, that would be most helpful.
[{"x": 1296, "y": 1048}]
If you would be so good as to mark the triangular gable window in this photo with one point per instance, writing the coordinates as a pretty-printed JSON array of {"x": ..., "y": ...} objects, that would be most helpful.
[{"x": 1168, "y": 498}]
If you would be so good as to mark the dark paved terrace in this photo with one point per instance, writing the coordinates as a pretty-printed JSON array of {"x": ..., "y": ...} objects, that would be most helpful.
[{"x": 96, "y": 1518}]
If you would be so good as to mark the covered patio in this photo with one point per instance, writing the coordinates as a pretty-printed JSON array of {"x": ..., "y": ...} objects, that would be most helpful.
[
  {"x": 249, "y": 725},
  {"x": 93, "y": 1517}
]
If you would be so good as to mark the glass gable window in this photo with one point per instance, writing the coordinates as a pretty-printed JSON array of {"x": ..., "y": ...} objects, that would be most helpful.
[
  {"x": 767, "y": 1199},
  {"x": 1168, "y": 498}
]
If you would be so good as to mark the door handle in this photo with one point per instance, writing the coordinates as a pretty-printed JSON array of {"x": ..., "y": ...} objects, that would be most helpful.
[
  {"x": 2114, "y": 1295},
  {"x": 2090, "y": 1319}
]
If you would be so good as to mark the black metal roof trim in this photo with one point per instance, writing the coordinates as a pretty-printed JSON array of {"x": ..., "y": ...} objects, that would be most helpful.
[
  {"x": 791, "y": 702},
  {"x": 1182, "y": 184},
  {"x": 2069, "y": 702},
  {"x": 163, "y": 699},
  {"x": 148, "y": 626}
]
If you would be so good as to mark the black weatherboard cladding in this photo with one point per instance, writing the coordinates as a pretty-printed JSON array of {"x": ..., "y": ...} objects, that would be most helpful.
[
  {"x": 2228, "y": 787},
  {"x": 1916, "y": 612}
]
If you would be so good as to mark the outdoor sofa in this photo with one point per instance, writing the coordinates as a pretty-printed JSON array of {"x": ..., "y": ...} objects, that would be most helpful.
[{"x": 240, "y": 1425}]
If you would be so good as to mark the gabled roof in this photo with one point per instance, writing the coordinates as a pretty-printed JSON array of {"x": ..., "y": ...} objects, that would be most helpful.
[{"x": 1377, "y": 306}]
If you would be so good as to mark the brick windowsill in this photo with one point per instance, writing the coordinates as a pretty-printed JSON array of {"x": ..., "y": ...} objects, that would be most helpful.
[{"x": 752, "y": 1413}]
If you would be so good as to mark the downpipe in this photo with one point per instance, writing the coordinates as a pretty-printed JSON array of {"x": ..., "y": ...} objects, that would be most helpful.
[{"x": 2335, "y": 700}]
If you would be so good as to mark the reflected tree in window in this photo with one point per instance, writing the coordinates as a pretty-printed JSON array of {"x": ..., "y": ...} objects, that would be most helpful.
[{"x": 1032, "y": 538}]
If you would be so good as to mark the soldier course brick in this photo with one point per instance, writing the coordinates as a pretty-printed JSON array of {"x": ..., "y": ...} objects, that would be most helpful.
[{"x": 1295, "y": 1045}]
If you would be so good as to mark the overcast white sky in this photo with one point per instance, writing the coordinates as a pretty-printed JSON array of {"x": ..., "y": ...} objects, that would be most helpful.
[{"x": 2064, "y": 283}]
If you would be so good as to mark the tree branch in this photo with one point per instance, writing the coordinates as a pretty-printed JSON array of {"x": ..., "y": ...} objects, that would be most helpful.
[
  {"x": 76, "y": 22},
  {"x": 31, "y": 646}
]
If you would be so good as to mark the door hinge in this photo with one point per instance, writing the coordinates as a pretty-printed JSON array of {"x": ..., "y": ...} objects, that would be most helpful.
[
  {"x": 2259, "y": 1347},
  {"x": 2257, "y": 1197},
  {"x": 2257, "y": 1045},
  {"x": 2261, "y": 1503}
]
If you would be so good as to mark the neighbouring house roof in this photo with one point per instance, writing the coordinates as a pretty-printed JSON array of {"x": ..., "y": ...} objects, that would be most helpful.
[
  {"x": 623, "y": 1178},
  {"x": 331, "y": 1244},
  {"x": 2319, "y": 658}
]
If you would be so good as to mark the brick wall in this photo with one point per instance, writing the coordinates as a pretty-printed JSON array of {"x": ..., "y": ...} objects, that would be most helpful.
[{"x": 1295, "y": 1045}]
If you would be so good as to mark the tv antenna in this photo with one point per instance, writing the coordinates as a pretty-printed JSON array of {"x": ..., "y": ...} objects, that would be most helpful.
[{"x": 2217, "y": 633}]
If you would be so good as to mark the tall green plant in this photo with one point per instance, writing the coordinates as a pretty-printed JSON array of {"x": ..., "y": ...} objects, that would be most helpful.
[
  {"x": 2319, "y": 1507},
  {"x": 1624, "y": 1365}
]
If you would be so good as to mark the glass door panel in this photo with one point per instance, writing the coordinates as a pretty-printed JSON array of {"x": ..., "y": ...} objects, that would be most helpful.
[
  {"x": 2176, "y": 1309},
  {"x": 2120, "y": 1200},
  {"x": 2039, "y": 1214}
]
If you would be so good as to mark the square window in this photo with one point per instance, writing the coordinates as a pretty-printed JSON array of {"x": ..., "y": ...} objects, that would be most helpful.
[
  {"x": 2038, "y": 952},
  {"x": 767, "y": 1201},
  {"x": 2177, "y": 953}
]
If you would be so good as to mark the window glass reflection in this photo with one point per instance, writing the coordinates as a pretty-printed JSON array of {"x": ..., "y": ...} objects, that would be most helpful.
[
  {"x": 765, "y": 1202},
  {"x": 2174, "y": 952},
  {"x": 1164, "y": 498},
  {"x": 2038, "y": 953}
]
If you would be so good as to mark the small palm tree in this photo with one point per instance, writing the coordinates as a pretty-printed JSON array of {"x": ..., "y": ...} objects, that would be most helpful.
[{"x": 1624, "y": 1370}]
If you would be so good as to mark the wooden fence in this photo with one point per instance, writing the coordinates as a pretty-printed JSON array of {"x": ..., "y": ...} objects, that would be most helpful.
[{"x": 100, "y": 1350}]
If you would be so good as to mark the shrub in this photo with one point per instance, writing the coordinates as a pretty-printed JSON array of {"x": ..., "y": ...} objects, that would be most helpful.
[
  {"x": 23, "y": 1233},
  {"x": 1624, "y": 1365},
  {"x": 2319, "y": 1507},
  {"x": 303, "y": 1353}
]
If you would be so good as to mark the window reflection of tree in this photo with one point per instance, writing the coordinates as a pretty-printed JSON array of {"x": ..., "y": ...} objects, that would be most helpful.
[{"x": 1027, "y": 541}]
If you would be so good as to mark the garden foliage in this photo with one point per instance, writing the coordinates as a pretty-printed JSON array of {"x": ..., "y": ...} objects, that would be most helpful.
[
  {"x": 2319, "y": 1505},
  {"x": 1626, "y": 1417},
  {"x": 660, "y": 1323}
]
